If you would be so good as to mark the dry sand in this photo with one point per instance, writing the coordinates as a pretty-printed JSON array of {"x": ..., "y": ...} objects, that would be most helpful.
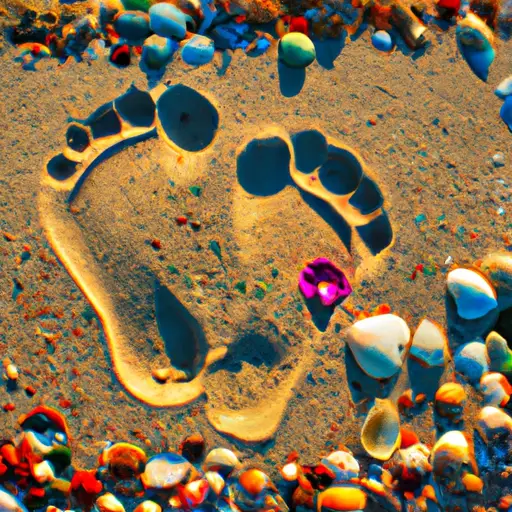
[{"x": 431, "y": 106}]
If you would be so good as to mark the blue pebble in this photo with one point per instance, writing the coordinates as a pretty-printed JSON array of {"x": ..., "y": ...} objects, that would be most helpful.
[
  {"x": 198, "y": 51},
  {"x": 506, "y": 112},
  {"x": 382, "y": 41},
  {"x": 478, "y": 60},
  {"x": 157, "y": 52},
  {"x": 133, "y": 27},
  {"x": 167, "y": 20}
]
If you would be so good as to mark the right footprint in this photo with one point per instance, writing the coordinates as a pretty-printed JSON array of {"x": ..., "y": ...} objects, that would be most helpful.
[{"x": 331, "y": 177}]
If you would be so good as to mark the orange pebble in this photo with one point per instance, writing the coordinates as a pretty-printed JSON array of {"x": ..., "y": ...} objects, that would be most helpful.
[
  {"x": 408, "y": 438},
  {"x": 342, "y": 499},
  {"x": 253, "y": 481},
  {"x": 451, "y": 393},
  {"x": 472, "y": 483}
]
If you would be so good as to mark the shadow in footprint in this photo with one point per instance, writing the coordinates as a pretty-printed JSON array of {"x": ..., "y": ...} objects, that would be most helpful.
[
  {"x": 253, "y": 348},
  {"x": 291, "y": 80},
  {"x": 422, "y": 379},
  {"x": 377, "y": 234},
  {"x": 184, "y": 339},
  {"x": 263, "y": 166},
  {"x": 311, "y": 150}
]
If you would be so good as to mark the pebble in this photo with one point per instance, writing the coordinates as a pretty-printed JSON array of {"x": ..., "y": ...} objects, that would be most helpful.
[
  {"x": 341, "y": 498},
  {"x": 382, "y": 41},
  {"x": 498, "y": 159},
  {"x": 498, "y": 269},
  {"x": 11, "y": 372},
  {"x": 133, "y": 26},
  {"x": 167, "y": 20},
  {"x": 500, "y": 355},
  {"x": 109, "y": 503},
  {"x": 504, "y": 88},
  {"x": 157, "y": 52},
  {"x": 495, "y": 389},
  {"x": 8, "y": 503},
  {"x": 473, "y": 295},
  {"x": 429, "y": 344},
  {"x": 506, "y": 112},
  {"x": 198, "y": 51},
  {"x": 471, "y": 361},
  {"x": 221, "y": 460},
  {"x": 450, "y": 455},
  {"x": 165, "y": 471},
  {"x": 449, "y": 401},
  {"x": 494, "y": 422},
  {"x": 379, "y": 344},
  {"x": 380, "y": 435},
  {"x": 148, "y": 506},
  {"x": 297, "y": 50}
]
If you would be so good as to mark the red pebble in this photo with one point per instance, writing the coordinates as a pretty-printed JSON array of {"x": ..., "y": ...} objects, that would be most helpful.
[
  {"x": 65, "y": 403},
  {"x": 156, "y": 244},
  {"x": 453, "y": 5},
  {"x": 181, "y": 220},
  {"x": 37, "y": 492},
  {"x": 473, "y": 236},
  {"x": 299, "y": 24},
  {"x": 372, "y": 122},
  {"x": 408, "y": 438},
  {"x": 419, "y": 267},
  {"x": 30, "y": 390},
  {"x": 9, "y": 407},
  {"x": 413, "y": 275}
]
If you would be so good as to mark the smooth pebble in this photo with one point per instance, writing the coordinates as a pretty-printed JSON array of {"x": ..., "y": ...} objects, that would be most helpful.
[
  {"x": 297, "y": 50},
  {"x": 504, "y": 88},
  {"x": 198, "y": 51},
  {"x": 429, "y": 344},
  {"x": 382, "y": 41},
  {"x": 471, "y": 361},
  {"x": 167, "y": 20}
]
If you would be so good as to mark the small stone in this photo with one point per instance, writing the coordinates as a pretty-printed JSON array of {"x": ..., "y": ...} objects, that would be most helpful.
[
  {"x": 30, "y": 390},
  {"x": 504, "y": 89},
  {"x": 471, "y": 361},
  {"x": 167, "y": 20},
  {"x": 429, "y": 344},
  {"x": 198, "y": 51},
  {"x": 222, "y": 461},
  {"x": 148, "y": 506},
  {"x": 500, "y": 356},
  {"x": 109, "y": 503},
  {"x": 382, "y": 41},
  {"x": 474, "y": 296},
  {"x": 9, "y": 407},
  {"x": 498, "y": 159},
  {"x": 165, "y": 471},
  {"x": 133, "y": 26},
  {"x": 157, "y": 52},
  {"x": 11, "y": 372},
  {"x": 494, "y": 423},
  {"x": 296, "y": 50},
  {"x": 498, "y": 269},
  {"x": 379, "y": 344},
  {"x": 495, "y": 389}
]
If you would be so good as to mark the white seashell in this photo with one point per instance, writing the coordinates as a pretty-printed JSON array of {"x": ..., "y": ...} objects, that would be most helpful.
[
  {"x": 165, "y": 471},
  {"x": 473, "y": 294},
  {"x": 222, "y": 460},
  {"x": 379, "y": 344},
  {"x": 451, "y": 454},
  {"x": 472, "y": 361},
  {"x": 504, "y": 89},
  {"x": 344, "y": 460},
  {"x": 496, "y": 389},
  {"x": 494, "y": 422},
  {"x": 109, "y": 503},
  {"x": 429, "y": 344},
  {"x": 415, "y": 458}
]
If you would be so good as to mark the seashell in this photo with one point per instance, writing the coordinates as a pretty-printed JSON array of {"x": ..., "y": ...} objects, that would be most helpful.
[
  {"x": 380, "y": 435},
  {"x": 198, "y": 51},
  {"x": 382, "y": 41},
  {"x": 217, "y": 483},
  {"x": 451, "y": 456},
  {"x": 496, "y": 389},
  {"x": 9, "y": 503},
  {"x": 343, "y": 464},
  {"x": 476, "y": 44},
  {"x": 165, "y": 471},
  {"x": 109, "y": 503},
  {"x": 498, "y": 269},
  {"x": 222, "y": 460},
  {"x": 379, "y": 344},
  {"x": 449, "y": 400},
  {"x": 132, "y": 26},
  {"x": 504, "y": 88},
  {"x": 471, "y": 361},
  {"x": 415, "y": 459},
  {"x": 167, "y": 20},
  {"x": 474, "y": 296},
  {"x": 124, "y": 460},
  {"x": 341, "y": 498},
  {"x": 500, "y": 356},
  {"x": 429, "y": 344},
  {"x": 506, "y": 112},
  {"x": 43, "y": 472},
  {"x": 494, "y": 424},
  {"x": 296, "y": 50},
  {"x": 148, "y": 506}
]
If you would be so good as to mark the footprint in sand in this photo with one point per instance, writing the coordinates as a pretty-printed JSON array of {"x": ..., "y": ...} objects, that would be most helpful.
[{"x": 198, "y": 339}]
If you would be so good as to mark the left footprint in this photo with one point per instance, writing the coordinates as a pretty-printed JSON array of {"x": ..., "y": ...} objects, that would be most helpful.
[{"x": 132, "y": 301}]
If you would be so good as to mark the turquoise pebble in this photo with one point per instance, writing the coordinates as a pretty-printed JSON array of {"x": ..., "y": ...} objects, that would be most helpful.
[
  {"x": 133, "y": 26},
  {"x": 382, "y": 41},
  {"x": 167, "y": 20},
  {"x": 506, "y": 112},
  {"x": 198, "y": 51},
  {"x": 296, "y": 50},
  {"x": 158, "y": 51}
]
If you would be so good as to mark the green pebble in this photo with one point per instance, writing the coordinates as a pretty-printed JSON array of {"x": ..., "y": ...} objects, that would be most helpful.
[
  {"x": 188, "y": 281},
  {"x": 215, "y": 247},
  {"x": 137, "y": 5},
  {"x": 173, "y": 269},
  {"x": 275, "y": 272},
  {"x": 195, "y": 190},
  {"x": 259, "y": 294},
  {"x": 296, "y": 50},
  {"x": 241, "y": 287}
]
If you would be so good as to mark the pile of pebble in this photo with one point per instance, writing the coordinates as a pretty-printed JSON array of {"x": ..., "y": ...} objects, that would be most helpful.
[{"x": 466, "y": 469}]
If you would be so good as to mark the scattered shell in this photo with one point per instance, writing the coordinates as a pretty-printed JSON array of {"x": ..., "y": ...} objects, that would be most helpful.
[
  {"x": 471, "y": 361},
  {"x": 379, "y": 344},
  {"x": 476, "y": 44},
  {"x": 194, "y": 493},
  {"x": 496, "y": 389},
  {"x": 473, "y": 294},
  {"x": 148, "y": 506},
  {"x": 341, "y": 498},
  {"x": 380, "y": 435},
  {"x": 345, "y": 461},
  {"x": 222, "y": 460},
  {"x": 415, "y": 459},
  {"x": 109, "y": 503},
  {"x": 498, "y": 268},
  {"x": 451, "y": 455},
  {"x": 449, "y": 400},
  {"x": 192, "y": 447},
  {"x": 494, "y": 423},
  {"x": 504, "y": 88},
  {"x": 165, "y": 471},
  {"x": 429, "y": 344}
]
